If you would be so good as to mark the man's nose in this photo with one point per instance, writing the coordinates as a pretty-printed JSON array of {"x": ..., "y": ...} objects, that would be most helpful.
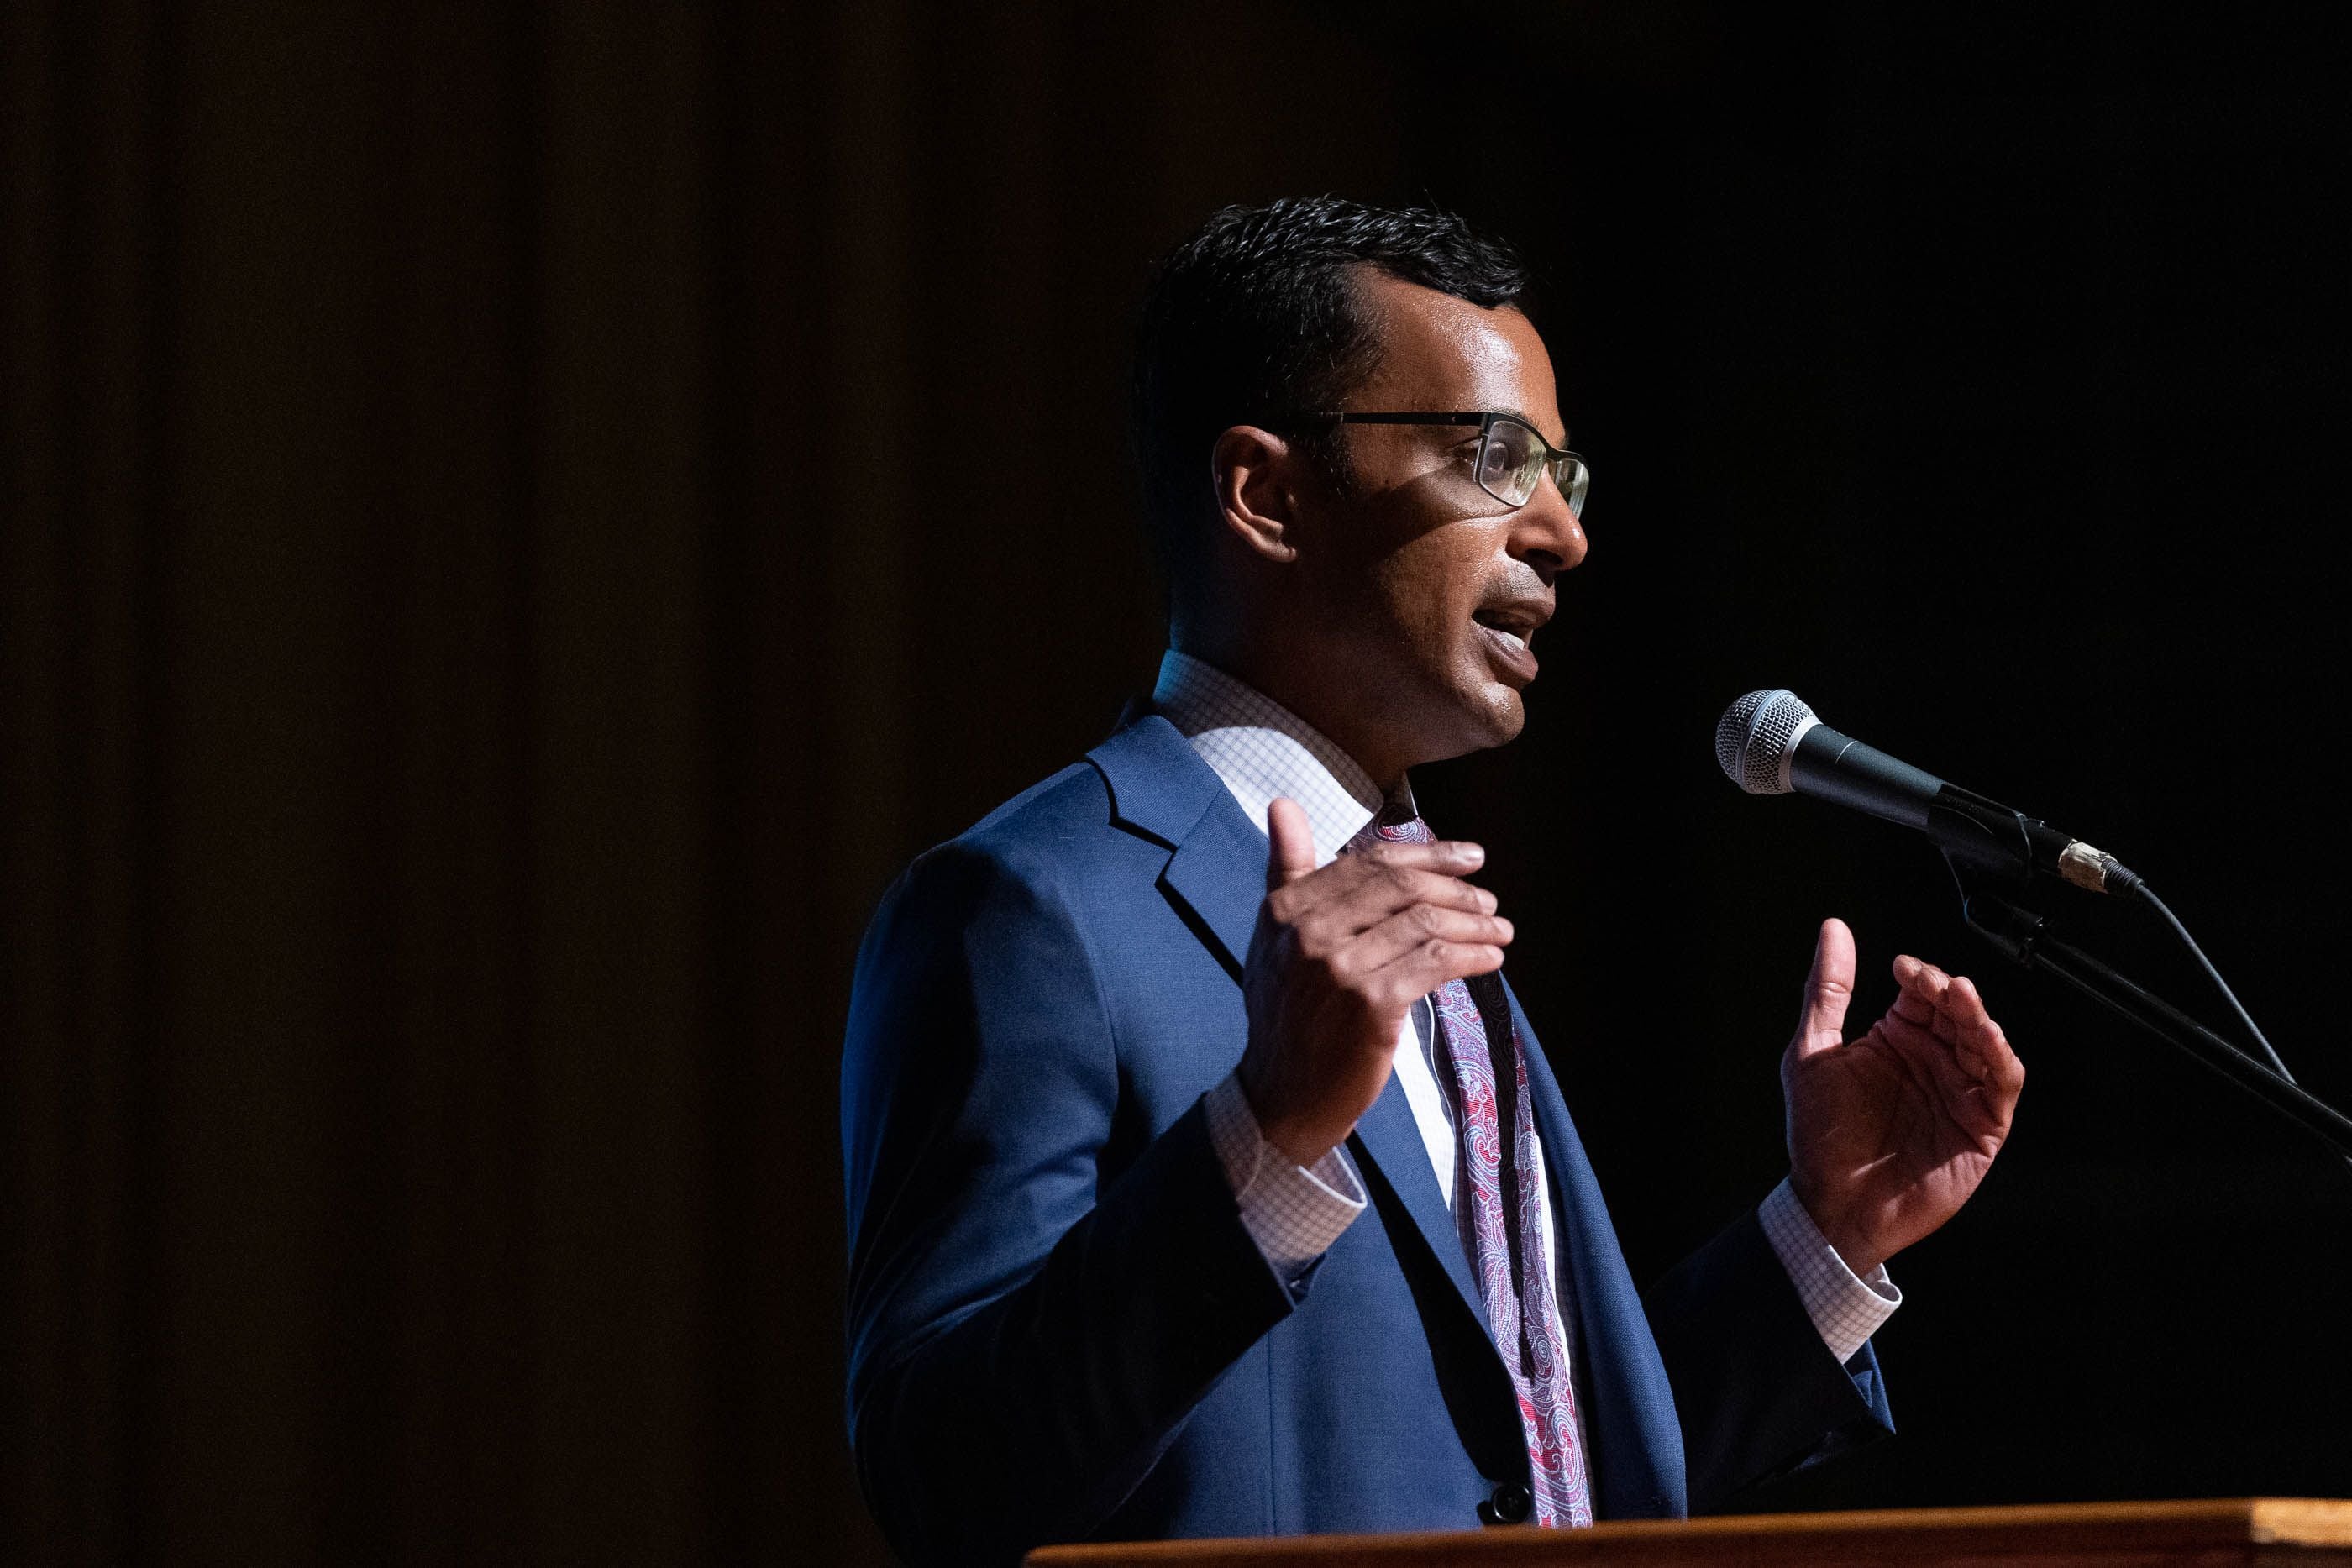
[{"x": 1545, "y": 533}]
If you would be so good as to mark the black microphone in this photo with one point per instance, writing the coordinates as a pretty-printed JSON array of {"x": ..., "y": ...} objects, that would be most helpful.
[{"x": 1769, "y": 743}]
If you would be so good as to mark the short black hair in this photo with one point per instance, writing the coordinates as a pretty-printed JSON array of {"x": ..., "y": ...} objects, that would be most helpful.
[{"x": 1255, "y": 317}]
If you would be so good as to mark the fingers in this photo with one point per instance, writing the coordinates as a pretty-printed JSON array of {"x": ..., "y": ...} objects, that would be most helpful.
[
  {"x": 1290, "y": 855},
  {"x": 1421, "y": 969},
  {"x": 1941, "y": 1009},
  {"x": 1456, "y": 856},
  {"x": 1920, "y": 989},
  {"x": 1408, "y": 929},
  {"x": 1367, "y": 910},
  {"x": 1950, "y": 1009},
  {"x": 1357, "y": 892},
  {"x": 1350, "y": 872},
  {"x": 1925, "y": 998},
  {"x": 1395, "y": 891},
  {"x": 1978, "y": 1041},
  {"x": 1829, "y": 987}
]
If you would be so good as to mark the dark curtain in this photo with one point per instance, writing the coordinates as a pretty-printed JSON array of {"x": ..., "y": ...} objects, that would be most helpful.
[{"x": 520, "y": 520}]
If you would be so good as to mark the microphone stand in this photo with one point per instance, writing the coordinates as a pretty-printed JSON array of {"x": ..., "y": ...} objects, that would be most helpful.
[{"x": 2025, "y": 936}]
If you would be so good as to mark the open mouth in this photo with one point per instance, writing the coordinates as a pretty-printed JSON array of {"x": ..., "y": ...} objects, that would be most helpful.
[
  {"x": 1516, "y": 639},
  {"x": 1509, "y": 630}
]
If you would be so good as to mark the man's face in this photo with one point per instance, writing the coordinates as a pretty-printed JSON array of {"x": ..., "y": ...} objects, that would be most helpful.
[{"x": 1431, "y": 591}]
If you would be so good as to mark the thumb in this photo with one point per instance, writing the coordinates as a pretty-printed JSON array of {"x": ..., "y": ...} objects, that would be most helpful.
[
  {"x": 1821, "y": 1025},
  {"x": 1292, "y": 851}
]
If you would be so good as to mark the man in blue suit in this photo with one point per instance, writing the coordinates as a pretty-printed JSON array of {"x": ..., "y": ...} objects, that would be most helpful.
[{"x": 1203, "y": 1177}]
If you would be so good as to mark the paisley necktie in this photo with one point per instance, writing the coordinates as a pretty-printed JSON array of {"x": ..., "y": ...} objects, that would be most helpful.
[{"x": 1498, "y": 1207}]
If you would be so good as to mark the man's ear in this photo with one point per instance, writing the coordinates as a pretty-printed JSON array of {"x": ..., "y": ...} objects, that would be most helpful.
[{"x": 1252, "y": 471}]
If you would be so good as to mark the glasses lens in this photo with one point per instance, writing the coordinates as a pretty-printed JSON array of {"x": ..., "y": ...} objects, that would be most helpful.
[
  {"x": 1510, "y": 462},
  {"x": 1572, "y": 477}
]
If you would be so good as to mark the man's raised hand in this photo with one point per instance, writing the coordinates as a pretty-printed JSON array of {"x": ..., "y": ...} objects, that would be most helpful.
[
  {"x": 1890, "y": 1133},
  {"x": 1339, "y": 957}
]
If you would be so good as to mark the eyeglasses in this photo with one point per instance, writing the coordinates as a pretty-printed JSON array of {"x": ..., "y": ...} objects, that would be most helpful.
[{"x": 1512, "y": 453}]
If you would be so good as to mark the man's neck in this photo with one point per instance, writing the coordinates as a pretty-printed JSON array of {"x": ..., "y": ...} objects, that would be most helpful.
[{"x": 1310, "y": 692}]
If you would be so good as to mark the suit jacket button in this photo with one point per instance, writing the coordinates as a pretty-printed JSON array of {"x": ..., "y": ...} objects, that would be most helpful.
[{"x": 1511, "y": 1504}]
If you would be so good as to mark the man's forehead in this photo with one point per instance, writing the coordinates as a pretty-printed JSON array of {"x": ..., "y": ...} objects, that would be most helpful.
[{"x": 1446, "y": 352}]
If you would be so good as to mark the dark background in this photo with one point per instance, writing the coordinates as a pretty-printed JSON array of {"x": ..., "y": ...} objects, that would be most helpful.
[{"x": 519, "y": 522}]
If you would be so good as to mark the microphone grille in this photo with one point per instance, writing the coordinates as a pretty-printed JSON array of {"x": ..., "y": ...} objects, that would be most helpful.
[{"x": 1752, "y": 738}]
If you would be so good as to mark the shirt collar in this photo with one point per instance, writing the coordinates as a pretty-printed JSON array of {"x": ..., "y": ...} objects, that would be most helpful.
[{"x": 1262, "y": 750}]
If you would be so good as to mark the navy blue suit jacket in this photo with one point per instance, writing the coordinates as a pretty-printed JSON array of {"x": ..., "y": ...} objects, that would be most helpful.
[{"x": 1058, "y": 1328}]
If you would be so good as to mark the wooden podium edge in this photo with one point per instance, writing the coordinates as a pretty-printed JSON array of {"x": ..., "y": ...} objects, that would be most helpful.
[{"x": 2215, "y": 1524}]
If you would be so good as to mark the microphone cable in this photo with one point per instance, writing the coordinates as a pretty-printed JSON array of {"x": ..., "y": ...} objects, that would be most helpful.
[{"x": 2147, "y": 895}]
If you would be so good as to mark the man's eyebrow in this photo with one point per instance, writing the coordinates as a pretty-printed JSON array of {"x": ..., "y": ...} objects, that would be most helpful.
[{"x": 1531, "y": 420}]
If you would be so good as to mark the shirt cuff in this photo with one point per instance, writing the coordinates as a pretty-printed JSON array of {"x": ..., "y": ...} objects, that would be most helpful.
[
  {"x": 1293, "y": 1212},
  {"x": 1846, "y": 1308}
]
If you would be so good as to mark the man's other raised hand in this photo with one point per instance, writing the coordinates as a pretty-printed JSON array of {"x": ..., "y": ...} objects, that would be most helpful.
[
  {"x": 1339, "y": 957},
  {"x": 1889, "y": 1134}
]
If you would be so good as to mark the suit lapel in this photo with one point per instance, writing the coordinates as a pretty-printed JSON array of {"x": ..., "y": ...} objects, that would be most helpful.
[
  {"x": 1388, "y": 1138},
  {"x": 1160, "y": 789},
  {"x": 1218, "y": 876}
]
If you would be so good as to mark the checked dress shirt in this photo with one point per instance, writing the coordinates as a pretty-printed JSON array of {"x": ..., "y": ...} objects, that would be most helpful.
[{"x": 1262, "y": 750}]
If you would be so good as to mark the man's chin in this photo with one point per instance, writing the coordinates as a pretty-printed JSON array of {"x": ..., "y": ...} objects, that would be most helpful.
[
  {"x": 1491, "y": 715},
  {"x": 1506, "y": 715}
]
